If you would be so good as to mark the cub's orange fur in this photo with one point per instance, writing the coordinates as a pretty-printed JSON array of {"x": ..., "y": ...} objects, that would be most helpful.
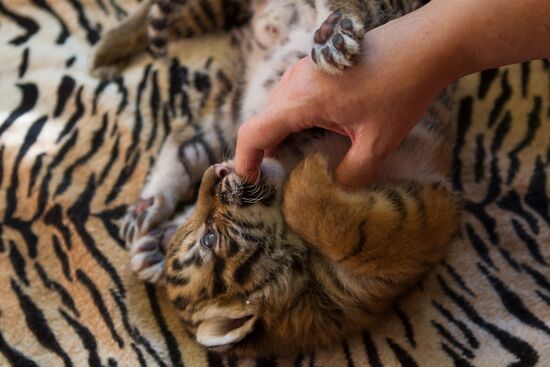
[
  {"x": 290, "y": 274},
  {"x": 293, "y": 261},
  {"x": 393, "y": 230}
]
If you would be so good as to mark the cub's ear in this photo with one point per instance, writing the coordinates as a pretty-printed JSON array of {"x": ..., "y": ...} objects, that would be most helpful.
[{"x": 222, "y": 331}]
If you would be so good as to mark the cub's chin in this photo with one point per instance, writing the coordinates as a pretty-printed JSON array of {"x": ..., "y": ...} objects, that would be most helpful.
[{"x": 273, "y": 172}]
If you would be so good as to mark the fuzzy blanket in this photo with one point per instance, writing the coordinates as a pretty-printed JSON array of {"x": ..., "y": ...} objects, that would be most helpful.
[{"x": 74, "y": 152}]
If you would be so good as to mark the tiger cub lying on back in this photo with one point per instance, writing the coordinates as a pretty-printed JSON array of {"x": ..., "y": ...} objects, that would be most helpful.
[{"x": 293, "y": 261}]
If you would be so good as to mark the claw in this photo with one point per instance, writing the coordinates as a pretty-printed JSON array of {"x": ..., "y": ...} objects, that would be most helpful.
[
  {"x": 143, "y": 204},
  {"x": 141, "y": 218},
  {"x": 146, "y": 247},
  {"x": 124, "y": 229},
  {"x": 130, "y": 236}
]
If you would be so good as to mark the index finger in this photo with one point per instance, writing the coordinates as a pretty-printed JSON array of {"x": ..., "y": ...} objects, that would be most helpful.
[{"x": 262, "y": 132}]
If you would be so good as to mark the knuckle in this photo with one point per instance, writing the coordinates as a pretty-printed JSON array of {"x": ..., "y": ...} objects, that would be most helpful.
[{"x": 243, "y": 132}]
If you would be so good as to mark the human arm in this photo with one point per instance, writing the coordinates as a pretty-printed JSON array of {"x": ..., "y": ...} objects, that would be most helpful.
[{"x": 404, "y": 64}]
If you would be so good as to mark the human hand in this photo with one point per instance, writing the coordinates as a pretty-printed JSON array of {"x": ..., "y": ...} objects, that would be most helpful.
[
  {"x": 375, "y": 103},
  {"x": 404, "y": 64}
]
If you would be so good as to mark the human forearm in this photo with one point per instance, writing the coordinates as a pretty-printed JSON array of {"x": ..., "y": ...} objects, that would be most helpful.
[
  {"x": 483, "y": 34},
  {"x": 404, "y": 65}
]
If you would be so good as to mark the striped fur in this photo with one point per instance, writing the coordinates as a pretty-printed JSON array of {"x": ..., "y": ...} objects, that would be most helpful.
[
  {"x": 159, "y": 22},
  {"x": 69, "y": 296},
  {"x": 281, "y": 277},
  {"x": 170, "y": 19},
  {"x": 284, "y": 275}
]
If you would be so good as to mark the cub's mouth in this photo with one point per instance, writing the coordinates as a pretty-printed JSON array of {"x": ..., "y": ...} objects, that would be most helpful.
[
  {"x": 233, "y": 189},
  {"x": 272, "y": 172}
]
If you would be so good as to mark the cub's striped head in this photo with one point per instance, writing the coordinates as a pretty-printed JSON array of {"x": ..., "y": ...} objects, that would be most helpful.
[{"x": 234, "y": 261}]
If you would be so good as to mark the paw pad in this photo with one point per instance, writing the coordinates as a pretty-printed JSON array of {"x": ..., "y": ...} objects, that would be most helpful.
[
  {"x": 327, "y": 27},
  {"x": 148, "y": 254},
  {"x": 142, "y": 217},
  {"x": 337, "y": 42}
]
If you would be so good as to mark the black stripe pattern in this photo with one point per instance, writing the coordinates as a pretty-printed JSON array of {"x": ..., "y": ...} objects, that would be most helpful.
[{"x": 75, "y": 151}]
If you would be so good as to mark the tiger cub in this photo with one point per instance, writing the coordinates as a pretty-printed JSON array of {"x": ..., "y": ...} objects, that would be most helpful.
[{"x": 293, "y": 261}]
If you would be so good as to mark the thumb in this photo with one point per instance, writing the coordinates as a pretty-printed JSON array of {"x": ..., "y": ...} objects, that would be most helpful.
[{"x": 359, "y": 166}]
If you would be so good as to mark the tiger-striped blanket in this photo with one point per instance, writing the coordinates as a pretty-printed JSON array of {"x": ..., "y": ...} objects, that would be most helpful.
[{"x": 75, "y": 151}]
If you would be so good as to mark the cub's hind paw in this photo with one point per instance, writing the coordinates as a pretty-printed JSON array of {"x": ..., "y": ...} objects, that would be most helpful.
[
  {"x": 148, "y": 254},
  {"x": 114, "y": 52},
  {"x": 337, "y": 42},
  {"x": 144, "y": 216},
  {"x": 106, "y": 63},
  {"x": 107, "y": 73}
]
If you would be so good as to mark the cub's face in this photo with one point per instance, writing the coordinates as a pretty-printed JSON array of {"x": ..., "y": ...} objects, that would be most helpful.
[{"x": 233, "y": 257}]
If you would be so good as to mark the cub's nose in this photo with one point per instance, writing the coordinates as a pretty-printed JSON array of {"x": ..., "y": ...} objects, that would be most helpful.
[{"x": 223, "y": 169}]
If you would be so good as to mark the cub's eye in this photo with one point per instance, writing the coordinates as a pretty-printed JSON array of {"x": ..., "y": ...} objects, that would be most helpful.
[{"x": 209, "y": 239}]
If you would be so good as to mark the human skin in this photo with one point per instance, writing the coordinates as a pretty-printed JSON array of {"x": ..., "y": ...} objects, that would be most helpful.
[{"x": 404, "y": 65}]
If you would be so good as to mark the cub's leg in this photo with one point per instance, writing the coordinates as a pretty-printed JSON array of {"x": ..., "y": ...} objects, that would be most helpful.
[
  {"x": 156, "y": 22},
  {"x": 393, "y": 232},
  {"x": 167, "y": 184},
  {"x": 182, "y": 160},
  {"x": 176, "y": 19},
  {"x": 337, "y": 42},
  {"x": 120, "y": 44},
  {"x": 148, "y": 252}
]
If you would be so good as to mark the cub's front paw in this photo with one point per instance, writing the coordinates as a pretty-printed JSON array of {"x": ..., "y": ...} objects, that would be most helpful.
[
  {"x": 148, "y": 254},
  {"x": 337, "y": 42},
  {"x": 145, "y": 215}
]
